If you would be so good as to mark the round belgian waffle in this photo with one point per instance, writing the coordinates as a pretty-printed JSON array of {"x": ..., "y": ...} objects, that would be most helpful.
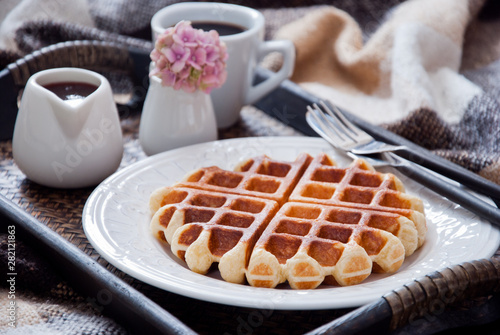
[{"x": 306, "y": 241}]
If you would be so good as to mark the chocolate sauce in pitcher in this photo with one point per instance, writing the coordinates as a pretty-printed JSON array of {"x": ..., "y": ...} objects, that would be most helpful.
[{"x": 71, "y": 90}]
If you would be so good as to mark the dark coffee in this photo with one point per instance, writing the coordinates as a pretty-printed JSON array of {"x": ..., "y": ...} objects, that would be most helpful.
[
  {"x": 222, "y": 28},
  {"x": 71, "y": 90}
]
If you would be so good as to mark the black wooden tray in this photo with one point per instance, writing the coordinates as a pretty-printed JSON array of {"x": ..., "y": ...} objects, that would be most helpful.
[{"x": 136, "y": 309}]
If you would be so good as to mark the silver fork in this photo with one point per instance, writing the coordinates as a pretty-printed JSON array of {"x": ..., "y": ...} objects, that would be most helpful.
[{"x": 345, "y": 136}]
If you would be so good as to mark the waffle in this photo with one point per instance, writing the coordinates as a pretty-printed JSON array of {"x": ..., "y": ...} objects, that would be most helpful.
[
  {"x": 306, "y": 222},
  {"x": 259, "y": 177},
  {"x": 206, "y": 227},
  {"x": 306, "y": 243},
  {"x": 358, "y": 186}
]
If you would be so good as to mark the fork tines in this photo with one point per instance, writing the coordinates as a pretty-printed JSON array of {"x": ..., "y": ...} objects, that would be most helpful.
[{"x": 339, "y": 131}]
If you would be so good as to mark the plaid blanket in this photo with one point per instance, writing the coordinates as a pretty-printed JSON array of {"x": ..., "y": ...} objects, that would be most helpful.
[
  {"x": 426, "y": 73},
  {"x": 427, "y": 70}
]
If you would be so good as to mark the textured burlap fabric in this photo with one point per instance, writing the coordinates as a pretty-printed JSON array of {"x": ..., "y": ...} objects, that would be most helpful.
[
  {"x": 426, "y": 70},
  {"x": 44, "y": 303}
]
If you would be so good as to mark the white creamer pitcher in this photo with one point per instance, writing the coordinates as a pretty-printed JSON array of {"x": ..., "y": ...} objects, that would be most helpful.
[{"x": 67, "y": 141}]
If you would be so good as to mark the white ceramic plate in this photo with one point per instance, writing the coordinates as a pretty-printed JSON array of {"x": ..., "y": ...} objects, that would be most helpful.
[{"x": 116, "y": 222}]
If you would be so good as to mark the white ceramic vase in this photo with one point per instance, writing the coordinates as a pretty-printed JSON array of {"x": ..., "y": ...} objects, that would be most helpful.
[{"x": 175, "y": 118}]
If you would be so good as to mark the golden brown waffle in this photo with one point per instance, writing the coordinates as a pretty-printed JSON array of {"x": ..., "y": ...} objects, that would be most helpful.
[
  {"x": 335, "y": 226},
  {"x": 358, "y": 186},
  {"x": 260, "y": 177},
  {"x": 305, "y": 243},
  {"x": 206, "y": 227}
]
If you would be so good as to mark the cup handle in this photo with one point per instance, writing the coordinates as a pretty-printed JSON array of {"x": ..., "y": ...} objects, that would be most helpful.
[{"x": 288, "y": 50}]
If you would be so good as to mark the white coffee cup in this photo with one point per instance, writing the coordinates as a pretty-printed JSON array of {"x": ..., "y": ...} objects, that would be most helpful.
[
  {"x": 245, "y": 49},
  {"x": 69, "y": 142}
]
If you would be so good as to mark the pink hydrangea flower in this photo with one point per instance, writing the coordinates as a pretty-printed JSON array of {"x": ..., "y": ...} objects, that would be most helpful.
[
  {"x": 177, "y": 55},
  {"x": 198, "y": 58},
  {"x": 189, "y": 59},
  {"x": 185, "y": 34}
]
